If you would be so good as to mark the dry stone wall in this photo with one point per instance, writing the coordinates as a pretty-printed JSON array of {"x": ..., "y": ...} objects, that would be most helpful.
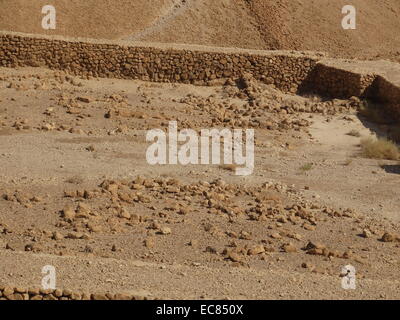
[
  {"x": 158, "y": 64},
  {"x": 288, "y": 71},
  {"x": 15, "y": 293},
  {"x": 332, "y": 81},
  {"x": 389, "y": 94}
]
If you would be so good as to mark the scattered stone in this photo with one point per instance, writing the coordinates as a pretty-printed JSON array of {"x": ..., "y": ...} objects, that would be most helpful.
[
  {"x": 75, "y": 235},
  {"x": 366, "y": 233},
  {"x": 211, "y": 250},
  {"x": 84, "y": 99},
  {"x": 388, "y": 237},
  {"x": 234, "y": 257},
  {"x": 149, "y": 243},
  {"x": 307, "y": 265},
  {"x": 276, "y": 235},
  {"x": 124, "y": 214},
  {"x": 68, "y": 213},
  {"x": 165, "y": 230},
  {"x": 245, "y": 235},
  {"x": 256, "y": 250},
  {"x": 289, "y": 248}
]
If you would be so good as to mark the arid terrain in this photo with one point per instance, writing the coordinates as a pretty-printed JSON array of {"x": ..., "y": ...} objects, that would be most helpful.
[
  {"x": 77, "y": 193},
  {"x": 257, "y": 24}
]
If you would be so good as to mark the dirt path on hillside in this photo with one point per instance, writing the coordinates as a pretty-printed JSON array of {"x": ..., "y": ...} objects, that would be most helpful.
[{"x": 178, "y": 8}]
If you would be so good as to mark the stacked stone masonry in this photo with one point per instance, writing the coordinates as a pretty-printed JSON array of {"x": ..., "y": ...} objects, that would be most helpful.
[
  {"x": 11, "y": 293},
  {"x": 152, "y": 63},
  {"x": 331, "y": 81},
  {"x": 288, "y": 71},
  {"x": 389, "y": 94}
]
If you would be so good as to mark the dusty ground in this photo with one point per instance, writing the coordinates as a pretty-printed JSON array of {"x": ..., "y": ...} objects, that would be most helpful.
[
  {"x": 108, "y": 19},
  {"x": 77, "y": 193},
  {"x": 258, "y": 24}
]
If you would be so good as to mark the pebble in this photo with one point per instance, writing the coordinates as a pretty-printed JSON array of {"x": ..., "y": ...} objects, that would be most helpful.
[
  {"x": 366, "y": 233},
  {"x": 388, "y": 237},
  {"x": 68, "y": 213},
  {"x": 165, "y": 230},
  {"x": 256, "y": 250},
  {"x": 234, "y": 257},
  {"x": 289, "y": 248}
]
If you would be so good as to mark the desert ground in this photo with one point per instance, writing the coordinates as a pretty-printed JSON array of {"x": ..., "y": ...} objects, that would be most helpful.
[{"x": 77, "y": 193}]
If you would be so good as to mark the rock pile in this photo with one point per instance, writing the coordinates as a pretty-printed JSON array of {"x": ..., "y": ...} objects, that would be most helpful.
[{"x": 17, "y": 293}]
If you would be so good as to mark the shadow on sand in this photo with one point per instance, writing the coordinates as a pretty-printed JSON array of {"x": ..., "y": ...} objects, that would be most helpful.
[{"x": 391, "y": 168}]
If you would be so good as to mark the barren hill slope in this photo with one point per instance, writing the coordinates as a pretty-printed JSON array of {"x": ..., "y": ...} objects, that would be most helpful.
[
  {"x": 77, "y": 18},
  {"x": 316, "y": 25},
  {"x": 260, "y": 24},
  {"x": 290, "y": 24}
]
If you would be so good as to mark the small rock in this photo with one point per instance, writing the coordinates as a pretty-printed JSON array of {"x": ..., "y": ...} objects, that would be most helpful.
[
  {"x": 256, "y": 250},
  {"x": 276, "y": 235},
  {"x": 124, "y": 214},
  {"x": 289, "y": 248},
  {"x": 149, "y": 243},
  {"x": 75, "y": 235},
  {"x": 388, "y": 237},
  {"x": 211, "y": 250},
  {"x": 245, "y": 235},
  {"x": 234, "y": 257},
  {"x": 165, "y": 230},
  {"x": 68, "y": 213},
  {"x": 84, "y": 99},
  {"x": 307, "y": 265},
  {"x": 366, "y": 233}
]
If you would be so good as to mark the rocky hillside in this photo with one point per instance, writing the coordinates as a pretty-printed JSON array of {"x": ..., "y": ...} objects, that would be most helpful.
[{"x": 260, "y": 24}]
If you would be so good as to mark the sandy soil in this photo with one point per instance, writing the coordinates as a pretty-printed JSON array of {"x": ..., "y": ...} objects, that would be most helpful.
[
  {"x": 258, "y": 24},
  {"x": 316, "y": 25},
  {"x": 77, "y": 193},
  {"x": 109, "y": 19}
]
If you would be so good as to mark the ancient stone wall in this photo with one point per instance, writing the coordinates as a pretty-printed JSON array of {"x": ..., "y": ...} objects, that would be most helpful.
[
  {"x": 335, "y": 82},
  {"x": 389, "y": 94},
  {"x": 13, "y": 293},
  {"x": 112, "y": 60},
  {"x": 288, "y": 71}
]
